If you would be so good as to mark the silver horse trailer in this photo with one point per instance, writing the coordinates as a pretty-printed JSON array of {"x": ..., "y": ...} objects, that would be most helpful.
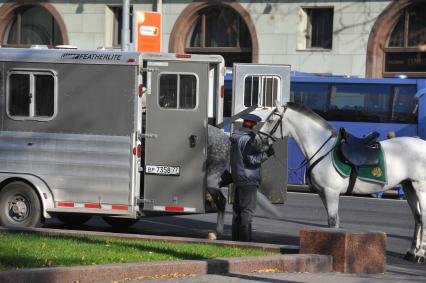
[{"x": 110, "y": 133}]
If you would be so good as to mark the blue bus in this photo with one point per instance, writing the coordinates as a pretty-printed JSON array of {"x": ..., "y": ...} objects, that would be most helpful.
[{"x": 358, "y": 104}]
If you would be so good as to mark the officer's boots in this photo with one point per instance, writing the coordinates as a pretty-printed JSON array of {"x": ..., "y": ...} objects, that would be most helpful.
[{"x": 244, "y": 233}]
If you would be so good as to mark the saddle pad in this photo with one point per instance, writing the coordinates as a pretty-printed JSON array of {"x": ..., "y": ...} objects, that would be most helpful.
[{"x": 370, "y": 173}]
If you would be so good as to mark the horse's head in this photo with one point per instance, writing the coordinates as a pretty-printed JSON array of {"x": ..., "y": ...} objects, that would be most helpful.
[{"x": 273, "y": 128}]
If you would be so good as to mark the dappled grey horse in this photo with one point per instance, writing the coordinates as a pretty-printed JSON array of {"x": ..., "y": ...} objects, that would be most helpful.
[{"x": 218, "y": 152}]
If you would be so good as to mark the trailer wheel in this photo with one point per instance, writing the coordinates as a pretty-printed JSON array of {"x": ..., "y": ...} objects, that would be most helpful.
[
  {"x": 20, "y": 206},
  {"x": 120, "y": 223},
  {"x": 73, "y": 219}
]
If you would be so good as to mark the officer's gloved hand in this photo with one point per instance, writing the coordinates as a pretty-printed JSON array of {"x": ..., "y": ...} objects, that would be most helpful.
[
  {"x": 225, "y": 179},
  {"x": 270, "y": 151}
]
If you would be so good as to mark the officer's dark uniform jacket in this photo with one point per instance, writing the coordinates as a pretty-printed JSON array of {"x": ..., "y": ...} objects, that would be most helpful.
[{"x": 245, "y": 158}]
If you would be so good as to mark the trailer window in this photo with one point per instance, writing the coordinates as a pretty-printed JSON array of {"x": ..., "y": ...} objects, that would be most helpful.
[
  {"x": 178, "y": 91},
  {"x": 261, "y": 90},
  {"x": 19, "y": 95},
  {"x": 31, "y": 95},
  {"x": 188, "y": 92},
  {"x": 44, "y": 86}
]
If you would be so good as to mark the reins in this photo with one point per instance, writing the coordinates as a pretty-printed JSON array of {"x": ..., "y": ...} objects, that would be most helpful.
[
  {"x": 310, "y": 168},
  {"x": 306, "y": 161}
]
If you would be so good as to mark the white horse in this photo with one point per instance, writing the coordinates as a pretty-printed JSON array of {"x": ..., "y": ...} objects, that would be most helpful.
[{"x": 405, "y": 164}]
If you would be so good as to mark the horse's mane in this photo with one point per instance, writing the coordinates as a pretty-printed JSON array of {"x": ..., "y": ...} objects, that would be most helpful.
[{"x": 311, "y": 114}]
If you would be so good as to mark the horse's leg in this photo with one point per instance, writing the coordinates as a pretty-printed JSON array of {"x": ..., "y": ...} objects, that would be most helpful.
[
  {"x": 415, "y": 209},
  {"x": 220, "y": 222},
  {"x": 420, "y": 191},
  {"x": 221, "y": 205},
  {"x": 322, "y": 197},
  {"x": 220, "y": 202},
  {"x": 330, "y": 199}
]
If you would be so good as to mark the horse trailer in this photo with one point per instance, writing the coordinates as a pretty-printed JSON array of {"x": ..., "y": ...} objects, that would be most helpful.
[{"x": 110, "y": 133}]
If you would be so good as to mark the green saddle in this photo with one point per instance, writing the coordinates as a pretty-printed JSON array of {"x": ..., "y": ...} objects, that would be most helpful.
[{"x": 370, "y": 173}]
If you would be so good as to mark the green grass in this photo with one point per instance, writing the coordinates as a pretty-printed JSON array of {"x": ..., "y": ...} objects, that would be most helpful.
[{"x": 23, "y": 250}]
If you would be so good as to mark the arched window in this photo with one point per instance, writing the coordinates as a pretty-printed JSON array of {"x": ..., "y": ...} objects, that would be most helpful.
[
  {"x": 397, "y": 41},
  {"x": 220, "y": 30},
  {"x": 410, "y": 31},
  {"x": 32, "y": 24},
  {"x": 406, "y": 45}
]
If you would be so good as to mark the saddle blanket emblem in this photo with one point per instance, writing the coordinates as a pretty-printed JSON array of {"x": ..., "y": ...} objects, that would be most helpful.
[
  {"x": 371, "y": 173},
  {"x": 376, "y": 172}
]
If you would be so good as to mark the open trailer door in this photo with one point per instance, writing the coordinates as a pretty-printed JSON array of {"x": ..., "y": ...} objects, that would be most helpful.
[
  {"x": 262, "y": 85},
  {"x": 176, "y": 136}
]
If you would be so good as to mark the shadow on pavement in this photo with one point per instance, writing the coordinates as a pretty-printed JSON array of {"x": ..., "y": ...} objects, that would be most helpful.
[
  {"x": 258, "y": 278},
  {"x": 166, "y": 226}
]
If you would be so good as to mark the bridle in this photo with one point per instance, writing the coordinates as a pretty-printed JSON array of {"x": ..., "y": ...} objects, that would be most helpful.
[
  {"x": 278, "y": 124},
  {"x": 306, "y": 161}
]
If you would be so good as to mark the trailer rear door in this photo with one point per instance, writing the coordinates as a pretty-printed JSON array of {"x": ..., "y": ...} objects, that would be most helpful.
[
  {"x": 261, "y": 85},
  {"x": 176, "y": 136}
]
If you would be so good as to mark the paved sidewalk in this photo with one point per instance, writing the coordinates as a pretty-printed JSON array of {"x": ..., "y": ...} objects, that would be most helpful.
[{"x": 395, "y": 274}]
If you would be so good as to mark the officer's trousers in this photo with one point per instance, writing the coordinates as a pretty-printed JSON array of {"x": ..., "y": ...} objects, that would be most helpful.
[{"x": 244, "y": 207}]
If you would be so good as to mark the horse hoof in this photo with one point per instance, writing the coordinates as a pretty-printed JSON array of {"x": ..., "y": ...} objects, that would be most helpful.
[
  {"x": 419, "y": 259},
  {"x": 211, "y": 236},
  {"x": 409, "y": 256}
]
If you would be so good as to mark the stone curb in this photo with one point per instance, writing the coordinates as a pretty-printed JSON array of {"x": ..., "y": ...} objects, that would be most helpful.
[
  {"x": 138, "y": 271},
  {"x": 284, "y": 249}
]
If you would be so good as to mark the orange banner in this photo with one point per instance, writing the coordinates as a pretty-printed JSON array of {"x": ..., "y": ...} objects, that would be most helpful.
[{"x": 149, "y": 32}]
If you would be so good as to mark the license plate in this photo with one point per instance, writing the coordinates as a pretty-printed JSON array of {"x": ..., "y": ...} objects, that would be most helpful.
[{"x": 162, "y": 170}]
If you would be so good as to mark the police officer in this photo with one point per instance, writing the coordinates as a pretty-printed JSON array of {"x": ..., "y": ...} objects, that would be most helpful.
[{"x": 246, "y": 160}]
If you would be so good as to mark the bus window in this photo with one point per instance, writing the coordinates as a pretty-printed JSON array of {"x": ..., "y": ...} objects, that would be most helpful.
[
  {"x": 312, "y": 95},
  {"x": 403, "y": 104},
  {"x": 352, "y": 102}
]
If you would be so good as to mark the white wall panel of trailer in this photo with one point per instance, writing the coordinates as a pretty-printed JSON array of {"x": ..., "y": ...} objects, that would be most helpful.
[{"x": 84, "y": 152}]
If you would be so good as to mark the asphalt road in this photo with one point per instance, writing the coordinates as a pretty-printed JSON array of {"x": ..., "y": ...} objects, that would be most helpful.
[{"x": 301, "y": 211}]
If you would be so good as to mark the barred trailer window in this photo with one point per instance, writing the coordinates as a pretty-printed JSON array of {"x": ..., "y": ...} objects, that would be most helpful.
[
  {"x": 178, "y": 91},
  {"x": 31, "y": 95},
  {"x": 261, "y": 90}
]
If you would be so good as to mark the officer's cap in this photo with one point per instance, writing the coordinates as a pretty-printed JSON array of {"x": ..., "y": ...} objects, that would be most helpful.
[{"x": 251, "y": 117}]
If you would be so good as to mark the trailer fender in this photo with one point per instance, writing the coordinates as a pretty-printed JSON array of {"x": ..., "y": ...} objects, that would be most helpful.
[{"x": 41, "y": 188}]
